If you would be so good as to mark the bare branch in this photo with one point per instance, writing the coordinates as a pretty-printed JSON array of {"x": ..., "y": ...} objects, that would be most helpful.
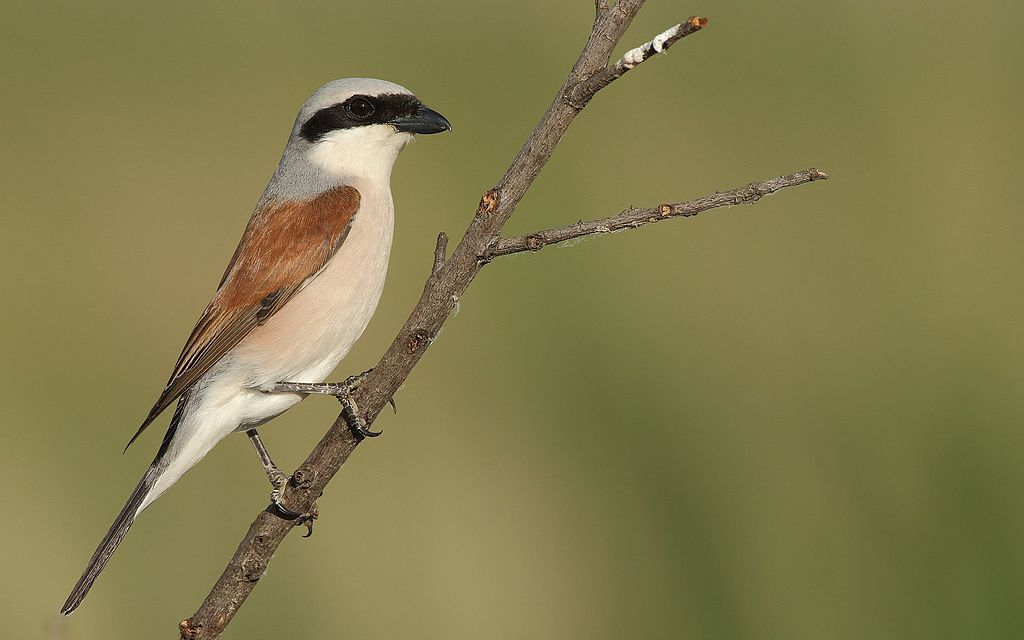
[
  {"x": 449, "y": 279},
  {"x": 660, "y": 43},
  {"x": 633, "y": 218}
]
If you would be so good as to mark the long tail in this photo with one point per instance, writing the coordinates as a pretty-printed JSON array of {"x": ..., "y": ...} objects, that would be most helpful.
[
  {"x": 145, "y": 492},
  {"x": 113, "y": 538}
]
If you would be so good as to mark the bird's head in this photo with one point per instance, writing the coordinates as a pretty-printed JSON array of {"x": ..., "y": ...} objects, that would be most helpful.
[{"x": 355, "y": 127}]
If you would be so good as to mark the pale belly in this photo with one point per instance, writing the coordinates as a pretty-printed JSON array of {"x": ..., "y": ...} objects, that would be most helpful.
[{"x": 309, "y": 336}]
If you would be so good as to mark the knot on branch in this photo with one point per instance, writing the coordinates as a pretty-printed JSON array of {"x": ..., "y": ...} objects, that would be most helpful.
[
  {"x": 418, "y": 341},
  {"x": 187, "y": 631},
  {"x": 535, "y": 243},
  {"x": 251, "y": 569},
  {"x": 749, "y": 195},
  {"x": 302, "y": 478},
  {"x": 488, "y": 202}
]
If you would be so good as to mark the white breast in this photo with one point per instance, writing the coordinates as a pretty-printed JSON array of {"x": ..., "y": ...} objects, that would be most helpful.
[
  {"x": 307, "y": 338},
  {"x": 314, "y": 330}
]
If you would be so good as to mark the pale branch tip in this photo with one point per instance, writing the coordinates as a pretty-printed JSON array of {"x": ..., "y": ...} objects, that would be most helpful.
[
  {"x": 450, "y": 276},
  {"x": 660, "y": 43}
]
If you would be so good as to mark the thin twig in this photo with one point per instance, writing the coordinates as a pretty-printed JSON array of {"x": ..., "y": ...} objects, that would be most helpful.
[
  {"x": 660, "y": 43},
  {"x": 441, "y": 293},
  {"x": 439, "y": 252},
  {"x": 634, "y": 218}
]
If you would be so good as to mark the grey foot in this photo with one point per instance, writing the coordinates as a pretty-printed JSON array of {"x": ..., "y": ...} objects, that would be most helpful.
[
  {"x": 278, "y": 480},
  {"x": 342, "y": 391},
  {"x": 277, "y": 499}
]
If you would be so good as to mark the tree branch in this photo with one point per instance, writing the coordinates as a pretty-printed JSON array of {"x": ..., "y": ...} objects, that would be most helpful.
[
  {"x": 448, "y": 280},
  {"x": 633, "y": 218},
  {"x": 660, "y": 43}
]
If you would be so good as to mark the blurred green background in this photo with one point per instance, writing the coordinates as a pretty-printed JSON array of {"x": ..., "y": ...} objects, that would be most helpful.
[{"x": 801, "y": 419}]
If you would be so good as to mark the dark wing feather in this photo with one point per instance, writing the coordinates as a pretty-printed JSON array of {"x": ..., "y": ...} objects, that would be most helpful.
[{"x": 283, "y": 247}]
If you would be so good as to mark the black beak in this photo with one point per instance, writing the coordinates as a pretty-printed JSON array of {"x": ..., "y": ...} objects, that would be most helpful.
[{"x": 425, "y": 120}]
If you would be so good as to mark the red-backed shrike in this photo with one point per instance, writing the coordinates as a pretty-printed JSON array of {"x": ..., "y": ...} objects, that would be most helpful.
[{"x": 300, "y": 289}]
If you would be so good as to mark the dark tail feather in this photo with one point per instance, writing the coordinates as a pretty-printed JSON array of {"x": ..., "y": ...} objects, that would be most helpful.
[
  {"x": 125, "y": 519},
  {"x": 112, "y": 539}
]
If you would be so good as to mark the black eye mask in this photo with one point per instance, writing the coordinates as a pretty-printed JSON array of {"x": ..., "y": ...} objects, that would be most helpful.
[{"x": 358, "y": 111}]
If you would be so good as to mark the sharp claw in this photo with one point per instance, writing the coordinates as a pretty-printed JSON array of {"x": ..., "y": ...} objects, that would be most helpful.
[
  {"x": 287, "y": 513},
  {"x": 275, "y": 499},
  {"x": 276, "y": 495},
  {"x": 358, "y": 427},
  {"x": 314, "y": 513},
  {"x": 394, "y": 407},
  {"x": 366, "y": 433},
  {"x": 352, "y": 417}
]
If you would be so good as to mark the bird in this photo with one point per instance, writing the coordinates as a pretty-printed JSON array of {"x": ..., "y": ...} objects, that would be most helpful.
[{"x": 298, "y": 292}]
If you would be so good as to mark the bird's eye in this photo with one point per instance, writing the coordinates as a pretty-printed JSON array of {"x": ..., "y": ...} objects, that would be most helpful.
[{"x": 360, "y": 108}]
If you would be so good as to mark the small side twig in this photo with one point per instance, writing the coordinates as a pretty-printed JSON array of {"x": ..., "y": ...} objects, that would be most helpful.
[
  {"x": 440, "y": 249},
  {"x": 658, "y": 44},
  {"x": 633, "y": 218}
]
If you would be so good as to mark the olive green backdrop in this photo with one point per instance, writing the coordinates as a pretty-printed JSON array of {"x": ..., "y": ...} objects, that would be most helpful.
[{"x": 801, "y": 419}]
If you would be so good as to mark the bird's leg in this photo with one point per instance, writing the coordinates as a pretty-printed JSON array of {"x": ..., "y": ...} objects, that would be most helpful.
[
  {"x": 277, "y": 478},
  {"x": 274, "y": 474},
  {"x": 340, "y": 390}
]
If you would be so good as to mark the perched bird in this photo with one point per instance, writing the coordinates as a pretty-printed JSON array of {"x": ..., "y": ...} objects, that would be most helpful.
[{"x": 299, "y": 291}]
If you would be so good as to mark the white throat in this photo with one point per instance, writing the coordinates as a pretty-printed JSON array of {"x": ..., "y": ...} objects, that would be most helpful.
[{"x": 361, "y": 155}]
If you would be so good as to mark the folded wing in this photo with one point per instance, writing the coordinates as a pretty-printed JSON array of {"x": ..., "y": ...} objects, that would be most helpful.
[{"x": 284, "y": 246}]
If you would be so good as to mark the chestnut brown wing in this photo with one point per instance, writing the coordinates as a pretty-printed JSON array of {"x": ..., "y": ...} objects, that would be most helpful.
[{"x": 284, "y": 246}]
